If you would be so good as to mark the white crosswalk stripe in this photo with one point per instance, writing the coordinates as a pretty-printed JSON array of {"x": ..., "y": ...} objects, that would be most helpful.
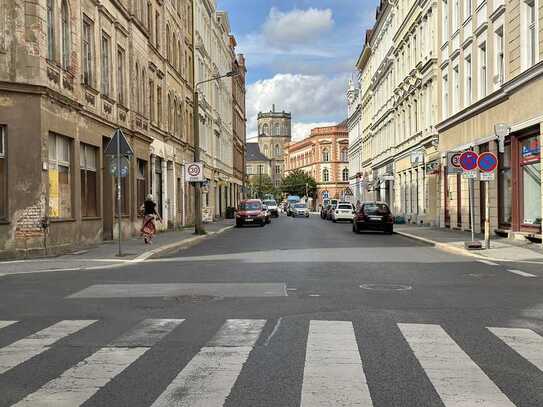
[
  {"x": 209, "y": 377},
  {"x": 333, "y": 373},
  {"x": 458, "y": 380},
  {"x": 4, "y": 324},
  {"x": 81, "y": 382},
  {"x": 525, "y": 342},
  {"x": 25, "y": 349}
]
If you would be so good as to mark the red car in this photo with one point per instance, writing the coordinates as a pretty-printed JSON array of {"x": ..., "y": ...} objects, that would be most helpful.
[
  {"x": 374, "y": 216},
  {"x": 251, "y": 212}
]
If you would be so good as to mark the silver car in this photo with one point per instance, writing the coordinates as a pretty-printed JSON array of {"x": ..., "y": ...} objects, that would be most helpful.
[{"x": 300, "y": 209}]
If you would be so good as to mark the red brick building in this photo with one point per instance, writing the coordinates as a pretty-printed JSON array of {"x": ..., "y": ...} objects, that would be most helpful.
[{"x": 323, "y": 155}]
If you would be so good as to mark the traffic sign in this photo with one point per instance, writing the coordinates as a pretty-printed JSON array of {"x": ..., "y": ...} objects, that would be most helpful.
[
  {"x": 453, "y": 163},
  {"x": 122, "y": 144},
  {"x": 123, "y": 168},
  {"x": 470, "y": 174},
  {"x": 325, "y": 195},
  {"x": 487, "y": 162},
  {"x": 194, "y": 172},
  {"x": 468, "y": 160}
]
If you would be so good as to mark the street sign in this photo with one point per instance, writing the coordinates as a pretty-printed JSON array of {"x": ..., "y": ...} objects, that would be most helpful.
[
  {"x": 124, "y": 147},
  {"x": 487, "y": 162},
  {"x": 325, "y": 195},
  {"x": 194, "y": 172},
  {"x": 453, "y": 163},
  {"x": 468, "y": 160},
  {"x": 470, "y": 174},
  {"x": 124, "y": 167},
  {"x": 488, "y": 176}
]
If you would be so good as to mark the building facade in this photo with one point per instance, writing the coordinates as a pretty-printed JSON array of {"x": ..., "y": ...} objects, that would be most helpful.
[
  {"x": 239, "y": 122},
  {"x": 491, "y": 71},
  {"x": 274, "y": 132},
  {"x": 70, "y": 74},
  {"x": 324, "y": 156}
]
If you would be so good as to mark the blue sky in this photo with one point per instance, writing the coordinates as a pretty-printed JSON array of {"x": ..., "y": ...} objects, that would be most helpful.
[{"x": 300, "y": 55}]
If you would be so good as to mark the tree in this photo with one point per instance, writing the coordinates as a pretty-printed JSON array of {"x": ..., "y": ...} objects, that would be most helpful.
[
  {"x": 295, "y": 184},
  {"x": 259, "y": 185}
]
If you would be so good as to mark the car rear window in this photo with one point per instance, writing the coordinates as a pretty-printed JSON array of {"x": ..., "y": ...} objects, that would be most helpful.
[
  {"x": 270, "y": 203},
  {"x": 250, "y": 206},
  {"x": 376, "y": 209},
  {"x": 344, "y": 206},
  {"x": 299, "y": 206}
]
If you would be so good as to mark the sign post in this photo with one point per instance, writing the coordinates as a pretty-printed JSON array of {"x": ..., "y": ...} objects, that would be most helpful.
[
  {"x": 487, "y": 163},
  {"x": 468, "y": 162},
  {"x": 117, "y": 147}
]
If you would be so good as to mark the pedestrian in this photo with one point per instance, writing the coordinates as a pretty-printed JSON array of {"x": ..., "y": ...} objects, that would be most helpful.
[{"x": 148, "y": 228}]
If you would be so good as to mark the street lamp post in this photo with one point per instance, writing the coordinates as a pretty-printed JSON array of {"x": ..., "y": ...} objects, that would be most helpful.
[{"x": 198, "y": 226}]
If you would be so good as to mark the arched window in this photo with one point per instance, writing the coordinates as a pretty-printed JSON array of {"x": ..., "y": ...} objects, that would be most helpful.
[
  {"x": 170, "y": 119},
  {"x": 325, "y": 155},
  {"x": 65, "y": 35},
  {"x": 179, "y": 60},
  {"x": 276, "y": 130},
  {"x": 345, "y": 175},
  {"x": 277, "y": 150},
  {"x": 265, "y": 129},
  {"x": 180, "y": 119},
  {"x": 344, "y": 155},
  {"x": 266, "y": 151},
  {"x": 169, "y": 44},
  {"x": 142, "y": 89},
  {"x": 325, "y": 175},
  {"x": 137, "y": 90},
  {"x": 174, "y": 114},
  {"x": 50, "y": 30}
]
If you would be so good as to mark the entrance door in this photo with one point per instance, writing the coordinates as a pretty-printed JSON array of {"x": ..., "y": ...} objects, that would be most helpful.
[
  {"x": 107, "y": 195},
  {"x": 446, "y": 197}
]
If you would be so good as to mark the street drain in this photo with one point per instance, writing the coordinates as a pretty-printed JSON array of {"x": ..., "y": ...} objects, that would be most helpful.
[{"x": 386, "y": 287}]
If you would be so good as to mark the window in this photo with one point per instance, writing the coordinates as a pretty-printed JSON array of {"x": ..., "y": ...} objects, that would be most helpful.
[
  {"x": 150, "y": 19},
  {"x": 482, "y": 70},
  {"x": 344, "y": 155},
  {"x": 277, "y": 150},
  {"x": 168, "y": 45},
  {"x": 505, "y": 185},
  {"x": 120, "y": 75},
  {"x": 325, "y": 175},
  {"x": 530, "y": 161},
  {"x": 152, "y": 100},
  {"x": 105, "y": 64},
  {"x": 60, "y": 177},
  {"x": 50, "y": 30},
  {"x": 265, "y": 130},
  {"x": 445, "y": 96},
  {"x": 276, "y": 130},
  {"x": 89, "y": 179},
  {"x": 445, "y": 21},
  {"x": 3, "y": 174},
  {"x": 87, "y": 51},
  {"x": 531, "y": 32},
  {"x": 141, "y": 182},
  {"x": 278, "y": 169},
  {"x": 157, "y": 29},
  {"x": 500, "y": 61},
  {"x": 468, "y": 81},
  {"x": 325, "y": 155},
  {"x": 456, "y": 89},
  {"x": 345, "y": 175},
  {"x": 159, "y": 104},
  {"x": 467, "y": 10},
  {"x": 65, "y": 35}
]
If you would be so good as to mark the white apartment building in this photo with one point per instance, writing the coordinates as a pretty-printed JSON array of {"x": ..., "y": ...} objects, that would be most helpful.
[{"x": 214, "y": 56}]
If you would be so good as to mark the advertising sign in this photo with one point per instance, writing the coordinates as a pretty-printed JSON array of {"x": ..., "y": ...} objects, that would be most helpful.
[{"x": 194, "y": 172}]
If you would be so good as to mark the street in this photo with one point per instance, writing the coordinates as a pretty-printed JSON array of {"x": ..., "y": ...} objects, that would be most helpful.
[{"x": 302, "y": 312}]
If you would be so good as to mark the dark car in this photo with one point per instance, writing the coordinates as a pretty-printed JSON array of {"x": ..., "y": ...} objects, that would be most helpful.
[
  {"x": 251, "y": 212},
  {"x": 373, "y": 216},
  {"x": 324, "y": 211}
]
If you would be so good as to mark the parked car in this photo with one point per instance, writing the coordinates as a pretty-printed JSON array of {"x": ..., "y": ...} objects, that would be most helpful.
[
  {"x": 330, "y": 211},
  {"x": 272, "y": 207},
  {"x": 373, "y": 216},
  {"x": 300, "y": 209},
  {"x": 251, "y": 212},
  {"x": 344, "y": 211},
  {"x": 324, "y": 211}
]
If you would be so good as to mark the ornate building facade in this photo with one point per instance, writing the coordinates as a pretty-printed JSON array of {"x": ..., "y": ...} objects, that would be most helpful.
[{"x": 324, "y": 156}]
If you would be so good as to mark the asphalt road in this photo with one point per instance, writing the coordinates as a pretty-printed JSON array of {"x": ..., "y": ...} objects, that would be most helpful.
[{"x": 302, "y": 312}]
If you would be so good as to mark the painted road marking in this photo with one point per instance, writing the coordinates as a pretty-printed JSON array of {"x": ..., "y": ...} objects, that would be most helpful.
[
  {"x": 522, "y": 273},
  {"x": 525, "y": 342},
  {"x": 333, "y": 373},
  {"x": 457, "y": 379},
  {"x": 81, "y": 382},
  {"x": 488, "y": 262},
  {"x": 208, "y": 378},
  {"x": 4, "y": 324},
  {"x": 25, "y": 349}
]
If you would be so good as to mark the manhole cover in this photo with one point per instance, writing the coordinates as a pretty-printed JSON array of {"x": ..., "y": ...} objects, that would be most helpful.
[{"x": 386, "y": 287}]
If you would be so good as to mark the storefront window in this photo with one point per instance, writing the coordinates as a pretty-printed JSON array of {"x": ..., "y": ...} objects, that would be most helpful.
[
  {"x": 60, "y": 183},
  {"x": 530, "y": 161},
  {"x": 87, "y": 159},
  {"x": 506, "y": 187},
  {"x": 141, "y": 182}
]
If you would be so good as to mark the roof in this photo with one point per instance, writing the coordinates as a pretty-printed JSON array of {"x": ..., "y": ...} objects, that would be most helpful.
[{"x": 253, "y": 153}]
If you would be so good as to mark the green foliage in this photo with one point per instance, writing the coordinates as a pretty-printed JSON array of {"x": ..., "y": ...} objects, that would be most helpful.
[
  {"x": 295, "y": 184},
  {"x": 260, "y": 185}
]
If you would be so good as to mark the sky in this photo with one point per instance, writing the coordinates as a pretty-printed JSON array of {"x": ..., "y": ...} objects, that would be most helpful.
[{"x": 300, "y": 56}]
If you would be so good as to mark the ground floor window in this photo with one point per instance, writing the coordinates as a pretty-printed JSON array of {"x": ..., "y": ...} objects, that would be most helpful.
[
  {"x": 89, "y": 180},
  {"x": 505, "y": 190},
  {"x": 530, "y": 163},
  {"x": 158, "y": 184},
  {"x": 60, "y": 176},
  {"x": 3, "y": 174},
  {"x": 141, "y": 182}
]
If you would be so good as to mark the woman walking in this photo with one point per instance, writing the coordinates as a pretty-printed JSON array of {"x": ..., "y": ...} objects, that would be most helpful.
[{"x": 148, "y": 229}]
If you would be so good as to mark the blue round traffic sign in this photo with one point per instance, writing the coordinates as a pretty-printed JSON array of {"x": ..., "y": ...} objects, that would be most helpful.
[
  {"x": 487, "y": 162},
  {"x": 468, "y": 160}
]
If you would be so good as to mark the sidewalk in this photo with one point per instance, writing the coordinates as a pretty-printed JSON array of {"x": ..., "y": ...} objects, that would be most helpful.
[
  {"x": 105, "y": 254},
  {"x": 502, "y": 249}
]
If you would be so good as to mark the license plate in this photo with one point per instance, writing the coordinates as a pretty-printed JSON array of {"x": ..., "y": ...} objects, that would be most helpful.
[
  {"x": 249, "y": 220},
  {"x": 376, "y": 218}
]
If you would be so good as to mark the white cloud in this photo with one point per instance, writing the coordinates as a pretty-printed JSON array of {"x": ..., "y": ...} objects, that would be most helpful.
[{"x": 313, "y": 100}]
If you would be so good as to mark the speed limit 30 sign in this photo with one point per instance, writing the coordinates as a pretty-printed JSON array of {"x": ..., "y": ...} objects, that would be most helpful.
[{"x": 194, "y": 172}]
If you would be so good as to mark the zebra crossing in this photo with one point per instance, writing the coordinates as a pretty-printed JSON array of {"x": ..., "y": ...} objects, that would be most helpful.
[{"x": 333, "y": 373}]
